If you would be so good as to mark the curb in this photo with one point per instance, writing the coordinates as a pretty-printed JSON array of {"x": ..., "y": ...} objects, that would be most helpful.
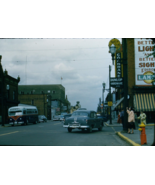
[
  {"x": 127, "y": 139},
  {"x": 113, "y": 125}
]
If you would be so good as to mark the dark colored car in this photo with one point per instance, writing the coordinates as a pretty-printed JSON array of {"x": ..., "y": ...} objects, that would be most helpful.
[
  {"x": 42, "y": 118},
  {"x": 105, "y": 119},
  {"x": 66, "y": 116},
  {"x": 83, "y": 119}
]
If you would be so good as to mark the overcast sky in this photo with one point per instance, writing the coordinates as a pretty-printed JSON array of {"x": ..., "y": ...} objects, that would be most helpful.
[{"x": 82, "y": 63}]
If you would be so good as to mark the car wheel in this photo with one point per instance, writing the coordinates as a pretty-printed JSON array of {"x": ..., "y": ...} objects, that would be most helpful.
[
  {"x": 69, "y": 130},
  {"x": 90, "y": 129},
  {"x": 35, "y": 122},
  {"x": 13, "y": 124},
  {"x": 26, "y": 122},
  {"x": 100, "y": 128}
]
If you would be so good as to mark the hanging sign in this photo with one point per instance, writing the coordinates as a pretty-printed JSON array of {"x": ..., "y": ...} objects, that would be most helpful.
[{"x": 116, "y": 82}]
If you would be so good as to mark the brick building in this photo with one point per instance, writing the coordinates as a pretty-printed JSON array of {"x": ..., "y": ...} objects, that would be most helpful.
[
  {"x": 8, "y": 93},
  {"x": 41, "y": 101},
  {"x": 38, "y": 95},
  {"x": 140, "y": 69}
]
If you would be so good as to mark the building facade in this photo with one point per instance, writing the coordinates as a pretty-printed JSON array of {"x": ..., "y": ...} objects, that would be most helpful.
[
  {"x": 44, "y": 96},
  {"x": 140, "y": 70},
  {"x": 8, "y": 93},
  {"x": 41, "y": 101}
]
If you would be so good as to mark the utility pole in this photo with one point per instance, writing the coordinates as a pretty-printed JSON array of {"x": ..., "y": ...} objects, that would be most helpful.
[
  {"x": 110, "y": 91},
  {"x": 124, "y": 44}
]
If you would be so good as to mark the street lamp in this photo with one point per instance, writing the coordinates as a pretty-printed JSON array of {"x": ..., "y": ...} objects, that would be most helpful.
[
  {"x": 112, "y": 51},
  {"x": 103, "y": 84},
  {"x": 123, "y": 60}
]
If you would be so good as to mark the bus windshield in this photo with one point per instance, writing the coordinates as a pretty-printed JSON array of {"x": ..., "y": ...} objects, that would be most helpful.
[{"x": 15, "y": 112}]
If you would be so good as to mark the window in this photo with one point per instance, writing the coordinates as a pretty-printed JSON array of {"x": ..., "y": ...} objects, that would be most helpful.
[
  {"x": 30, "y": 111},
  {"x": 24, "y": 111},
  {"x": 13, "y": 95},
  {"x": 7, "y": 94},
  {"x": 32, "y": 102},
  {"x": 92, "y": 114}
]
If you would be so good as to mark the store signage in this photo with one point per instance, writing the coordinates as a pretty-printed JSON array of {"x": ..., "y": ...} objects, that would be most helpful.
[
  {"x": 109, "y": 103},
  {"x": 144, "y": 66},
  {"x": 116, "y": 82},
  {"x": 118, "y": 65}
]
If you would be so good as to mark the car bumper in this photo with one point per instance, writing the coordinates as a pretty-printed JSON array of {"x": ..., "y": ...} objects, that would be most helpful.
[
  {"x": 76, "y": 126},
  {"x": 16, "y": 123}
]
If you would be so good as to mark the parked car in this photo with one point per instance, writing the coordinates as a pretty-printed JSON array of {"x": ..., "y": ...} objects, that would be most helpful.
[
  {"x": 83, "y": 119},
  {"x": 42, "y": 118},
  {"x": 56, "y": 118},
  {"x": 61, "y": 117}
]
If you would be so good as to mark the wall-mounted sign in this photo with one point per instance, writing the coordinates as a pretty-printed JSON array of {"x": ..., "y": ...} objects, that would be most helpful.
[
  {"x": 118, "y": 65},
  {"x": 109, "y": 103},
  {"x": 116, "y": 82},
  {"x": 144, "y": 66}
]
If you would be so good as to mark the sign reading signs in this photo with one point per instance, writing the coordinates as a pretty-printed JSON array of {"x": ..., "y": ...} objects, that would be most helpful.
[
  {"x": 118, "y": 65},
  {"x": 116, "y": 82},
  {"x": 144, "y": 66},
  {"x": 109, "y": 103}
]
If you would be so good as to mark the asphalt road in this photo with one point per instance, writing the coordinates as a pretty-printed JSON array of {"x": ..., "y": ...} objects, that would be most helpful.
[{"x": 52, "y": 133}]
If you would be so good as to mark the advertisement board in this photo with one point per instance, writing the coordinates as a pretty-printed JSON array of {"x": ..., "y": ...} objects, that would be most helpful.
[{"x": 144, "y": 66}]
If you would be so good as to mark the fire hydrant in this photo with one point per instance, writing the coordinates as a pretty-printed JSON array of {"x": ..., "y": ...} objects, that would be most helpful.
[{"x": 143, "y": 135}]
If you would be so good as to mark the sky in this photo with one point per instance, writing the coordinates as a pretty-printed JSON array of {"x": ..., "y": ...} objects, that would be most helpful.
[{"x": 83, "y": 65}]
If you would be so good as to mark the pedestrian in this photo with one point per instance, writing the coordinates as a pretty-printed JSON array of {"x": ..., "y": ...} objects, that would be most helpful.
[
  {"x": 119, "y": 118},
  {"x": 131, "y": 120},
  {"x": 142, "y": 117},
  {"x": 122, "y": 117}
]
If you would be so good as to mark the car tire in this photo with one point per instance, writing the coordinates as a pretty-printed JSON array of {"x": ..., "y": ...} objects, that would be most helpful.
[
  {"x": 90, "y": 129},
  {"x": 35, "y": 122},
  {"x": 69, "y": 129}
]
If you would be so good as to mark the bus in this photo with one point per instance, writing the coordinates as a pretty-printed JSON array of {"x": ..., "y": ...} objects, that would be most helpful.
[{"x": 23, "y": 115}]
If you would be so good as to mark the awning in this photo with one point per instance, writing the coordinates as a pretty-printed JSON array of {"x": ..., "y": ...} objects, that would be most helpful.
[
  {"x": 144, "y": 102},
  {"x": 117, "y": 103}
]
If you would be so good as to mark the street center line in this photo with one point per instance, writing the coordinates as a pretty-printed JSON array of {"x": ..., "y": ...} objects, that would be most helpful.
[{"x": 9, "y": 133}]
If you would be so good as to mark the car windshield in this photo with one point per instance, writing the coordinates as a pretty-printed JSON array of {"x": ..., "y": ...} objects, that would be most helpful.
[{"x": 80, "y": 114}]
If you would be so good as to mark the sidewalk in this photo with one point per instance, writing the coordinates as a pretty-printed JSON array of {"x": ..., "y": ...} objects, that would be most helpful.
[
  {"x": 134, "y": 139},
  {"x": 5, "y": 125}
]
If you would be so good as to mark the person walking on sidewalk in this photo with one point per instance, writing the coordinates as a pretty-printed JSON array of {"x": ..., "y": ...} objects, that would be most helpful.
[
  {"x": 131, "y": 119},
  {"x": 119, "y": 118},
  {"x": 122, "y": 118},
  {"x": 142, "y": 117}
]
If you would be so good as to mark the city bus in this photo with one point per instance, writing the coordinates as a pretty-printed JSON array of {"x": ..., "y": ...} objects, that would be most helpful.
[{"x": 22, "y": 115}]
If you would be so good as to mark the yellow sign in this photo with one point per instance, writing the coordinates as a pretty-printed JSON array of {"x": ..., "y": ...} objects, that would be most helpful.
[
  {"x": 109, "y": 103},
  {"x": 116, "y": 42}
]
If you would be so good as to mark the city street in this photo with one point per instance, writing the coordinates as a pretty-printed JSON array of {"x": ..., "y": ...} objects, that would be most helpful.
[{"x": 52, "y": 133}]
